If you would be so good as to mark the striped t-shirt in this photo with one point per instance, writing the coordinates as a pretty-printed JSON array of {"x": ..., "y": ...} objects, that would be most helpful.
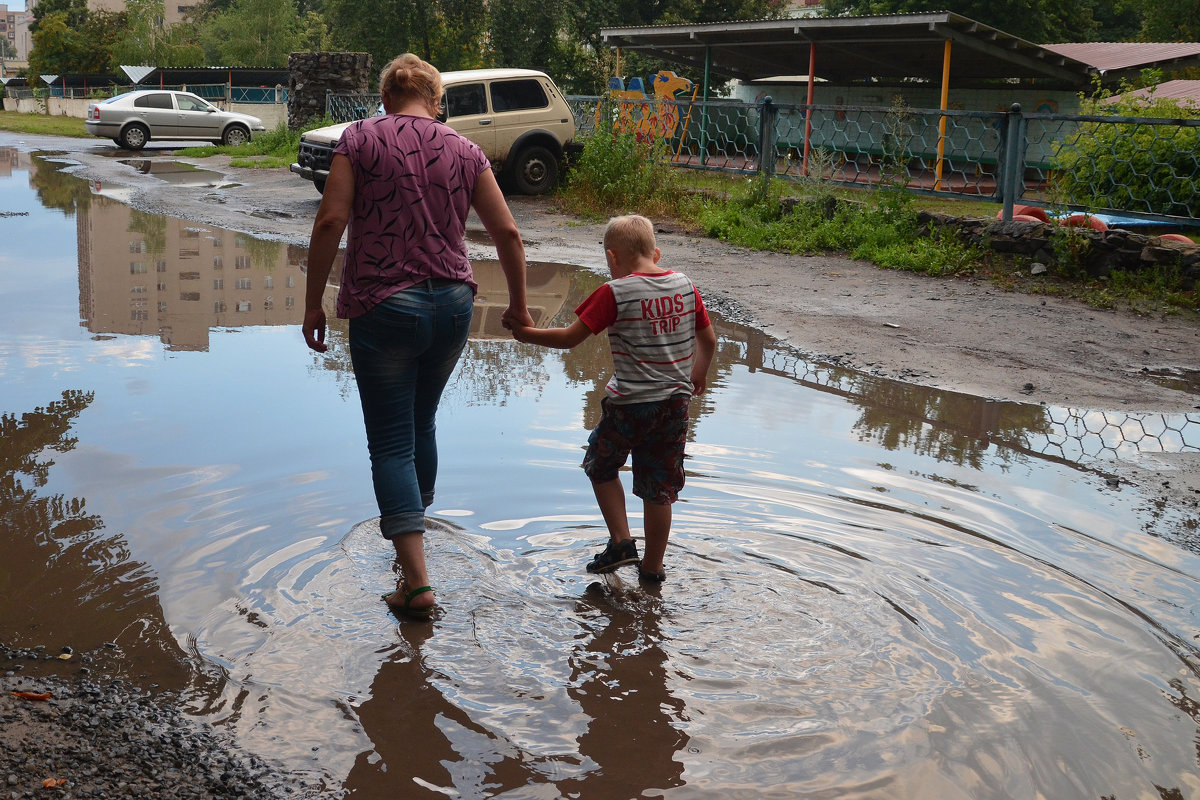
[{"x": 652, "y": 321}]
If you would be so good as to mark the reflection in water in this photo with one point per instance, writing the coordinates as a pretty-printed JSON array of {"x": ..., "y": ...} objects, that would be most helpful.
[
  {"x": 66, "y": 583},
  {"x": 875, "y": 590},
  {"x": 619, "y": 678},
  {"x": 178, "y": 173}
]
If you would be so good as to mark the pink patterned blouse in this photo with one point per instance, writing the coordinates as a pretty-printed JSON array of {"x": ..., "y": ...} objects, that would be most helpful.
[{"x": 414, "y": 178}]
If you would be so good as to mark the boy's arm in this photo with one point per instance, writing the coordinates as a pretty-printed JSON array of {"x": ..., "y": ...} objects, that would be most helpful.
[
  {"x": 562, "y": 338},
  {"x": 706, "y": 346}
]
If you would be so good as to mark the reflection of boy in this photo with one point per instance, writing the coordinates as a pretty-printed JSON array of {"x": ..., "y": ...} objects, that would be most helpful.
[{"x": 662, "y": 345}]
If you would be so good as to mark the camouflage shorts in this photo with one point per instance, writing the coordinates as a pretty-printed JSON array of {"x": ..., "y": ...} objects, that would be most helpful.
[{"x": 654, "y": 433}]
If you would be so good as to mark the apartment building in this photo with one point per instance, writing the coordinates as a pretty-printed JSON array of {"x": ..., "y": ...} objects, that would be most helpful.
[
  {"x": 14, "y": 27},
  {"x": 173, "y": 10}
]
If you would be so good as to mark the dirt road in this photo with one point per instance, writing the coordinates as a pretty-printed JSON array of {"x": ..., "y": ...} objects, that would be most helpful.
[{"x": 955, "y": 334}]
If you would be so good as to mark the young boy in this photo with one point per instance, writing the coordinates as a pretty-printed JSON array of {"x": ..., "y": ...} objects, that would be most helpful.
[{"x": 662, "y": 345}]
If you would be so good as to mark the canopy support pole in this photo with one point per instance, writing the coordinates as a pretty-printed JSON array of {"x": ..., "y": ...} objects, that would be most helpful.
[
  {"x": 704, "y": 108},
  {"x": 941, "y": 150},
  {"x": 812, "y": 79}
]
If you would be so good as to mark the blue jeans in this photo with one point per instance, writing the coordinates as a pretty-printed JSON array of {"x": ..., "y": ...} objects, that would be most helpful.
[{"x": 404, "y": 351}]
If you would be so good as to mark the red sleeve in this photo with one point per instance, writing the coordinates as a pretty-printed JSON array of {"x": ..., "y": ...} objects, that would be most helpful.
[
  {"x": 599, "y": 310},
  {"x": 702, "y": 320}
]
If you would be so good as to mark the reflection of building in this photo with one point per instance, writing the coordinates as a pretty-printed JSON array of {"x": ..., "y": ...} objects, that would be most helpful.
[
  {"x": 10, "y": 159},
  {"x": 147, "y": 274},
  {"x": 547, "y": 287}
]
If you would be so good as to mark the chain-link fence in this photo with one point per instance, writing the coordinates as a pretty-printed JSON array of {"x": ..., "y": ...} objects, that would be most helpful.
[
  {"x": 349, "y": 107},
  {"x": 1137, "y": 166}
]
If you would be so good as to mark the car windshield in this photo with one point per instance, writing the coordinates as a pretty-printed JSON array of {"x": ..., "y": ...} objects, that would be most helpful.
[{"x": 115, "y": 98}]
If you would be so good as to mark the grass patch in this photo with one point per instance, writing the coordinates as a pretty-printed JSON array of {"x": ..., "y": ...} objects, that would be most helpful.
[
  {"x": 271, "y": 149},
  {"x": 42, "y": 124},
  {"x": 617, "y": 174}
]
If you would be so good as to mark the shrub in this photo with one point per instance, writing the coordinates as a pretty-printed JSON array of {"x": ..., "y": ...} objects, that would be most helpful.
[{"x": 1151, "y": 166}]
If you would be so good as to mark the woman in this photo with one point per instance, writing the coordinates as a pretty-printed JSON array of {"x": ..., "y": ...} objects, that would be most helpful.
[{"x": 404, "y": 183}]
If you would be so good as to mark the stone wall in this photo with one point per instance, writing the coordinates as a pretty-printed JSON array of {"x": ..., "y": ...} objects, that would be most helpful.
[
  {"x": 311, "y": 75},
  {"x": 1096, "y": 252}
]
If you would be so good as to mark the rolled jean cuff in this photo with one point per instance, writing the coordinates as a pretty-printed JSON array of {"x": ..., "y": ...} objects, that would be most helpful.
[{"x": 399, "y": 524}]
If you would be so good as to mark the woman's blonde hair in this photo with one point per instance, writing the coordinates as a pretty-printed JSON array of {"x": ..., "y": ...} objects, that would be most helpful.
[{"x": 407, "y": 78}]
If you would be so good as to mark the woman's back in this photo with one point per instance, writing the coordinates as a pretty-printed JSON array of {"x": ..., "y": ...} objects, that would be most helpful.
[{"x": 414, "y": 179}]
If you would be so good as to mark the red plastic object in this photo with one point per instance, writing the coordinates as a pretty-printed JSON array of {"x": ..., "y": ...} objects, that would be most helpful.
[
  {"x": 1037, "y": 212},
  {"x": 1083, "y": 221},
  {"x": 1176, "y": 237},
  {"x": 1026, "y": 218}
]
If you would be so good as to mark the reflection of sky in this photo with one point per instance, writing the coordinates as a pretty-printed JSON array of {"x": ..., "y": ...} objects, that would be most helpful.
[{"x": 235, "y": 471}]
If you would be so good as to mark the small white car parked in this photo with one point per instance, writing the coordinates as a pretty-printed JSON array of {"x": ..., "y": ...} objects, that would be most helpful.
[
  {"x": 134, "y": 118},
  {"x": 518, "y": 117}
]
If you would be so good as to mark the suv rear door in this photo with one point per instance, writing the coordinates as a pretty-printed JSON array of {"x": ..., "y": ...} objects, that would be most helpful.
[
  {"x": 518, "y": 104},
  {"x": 467, "y": 112}
]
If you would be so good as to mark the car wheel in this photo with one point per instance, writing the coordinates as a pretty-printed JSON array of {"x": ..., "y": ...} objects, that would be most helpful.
[
  {"x": 134, "y": 137},
  {"x": 320, "y": 184},
  {"x": 235, "y": 135},
  {"x": 117, "y": 141},
  {"x": 534, "y": 171}
]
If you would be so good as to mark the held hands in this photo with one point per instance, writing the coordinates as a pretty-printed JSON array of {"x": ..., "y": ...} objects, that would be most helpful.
[
  {"x": 516, "y": 316},
  {"x": 314, "y": 329}
]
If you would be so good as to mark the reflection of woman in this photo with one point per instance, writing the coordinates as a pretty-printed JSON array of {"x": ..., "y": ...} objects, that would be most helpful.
[{"x": 404, "y": 183}]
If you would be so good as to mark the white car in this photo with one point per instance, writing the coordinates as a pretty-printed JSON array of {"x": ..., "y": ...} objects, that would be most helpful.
[
  {"x": 134, "y": 118},
  {"x": 518, "y": 117}
]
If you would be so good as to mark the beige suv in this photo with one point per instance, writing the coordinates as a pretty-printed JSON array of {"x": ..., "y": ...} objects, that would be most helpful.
[{"x": 517, "y": 116}]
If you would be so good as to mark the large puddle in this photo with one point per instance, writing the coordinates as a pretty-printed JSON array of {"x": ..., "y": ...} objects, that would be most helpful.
[{"x": 875, "y": 590}]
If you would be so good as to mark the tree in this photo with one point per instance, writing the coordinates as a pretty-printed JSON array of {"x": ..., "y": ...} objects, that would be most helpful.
[
  {"x": 147, "y": 40},
  {"x": 75, "y": 12},
  {"x": 447, "y": 33},
  {"x": 252, "y": 33},
  {"x": 1177, "y": 21},
  {"x": 54, "y": 46},
  {"x": 1032, "y": 20}
]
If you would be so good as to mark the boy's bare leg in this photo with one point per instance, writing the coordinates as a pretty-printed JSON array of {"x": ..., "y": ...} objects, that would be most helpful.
[
  {"x": 658, "y": 528},
  {"x": 610, "y": 496},
  {"x": 410, "y": 553}
]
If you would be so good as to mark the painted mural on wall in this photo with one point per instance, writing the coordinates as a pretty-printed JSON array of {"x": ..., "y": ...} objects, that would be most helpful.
[{"x": 653, "y": 114}]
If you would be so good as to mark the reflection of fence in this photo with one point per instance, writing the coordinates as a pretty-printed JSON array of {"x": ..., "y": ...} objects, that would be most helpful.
[
  {"x": 1071, "y": 435},
  {"x": 1080, "y": 435},
  {"x": 996, "y": 156}
]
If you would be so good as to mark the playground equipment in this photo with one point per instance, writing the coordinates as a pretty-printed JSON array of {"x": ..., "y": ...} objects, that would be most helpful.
[{"x": 649, "y": 116}]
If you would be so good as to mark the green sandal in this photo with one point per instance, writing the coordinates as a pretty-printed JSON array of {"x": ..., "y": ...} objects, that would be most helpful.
[{"x": 406, "y": 609}]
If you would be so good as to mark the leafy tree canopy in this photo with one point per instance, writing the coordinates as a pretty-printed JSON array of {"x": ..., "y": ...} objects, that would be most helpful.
[
  {"x": 74, "y": 11},
  {"x": 252, "y": 33}
]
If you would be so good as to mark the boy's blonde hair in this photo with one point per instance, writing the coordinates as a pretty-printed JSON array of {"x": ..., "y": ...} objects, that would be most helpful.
[{"x": 630, "y": 236}]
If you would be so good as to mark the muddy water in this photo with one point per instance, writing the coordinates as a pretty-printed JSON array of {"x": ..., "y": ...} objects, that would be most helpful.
[{"x": 875, "y": 590}]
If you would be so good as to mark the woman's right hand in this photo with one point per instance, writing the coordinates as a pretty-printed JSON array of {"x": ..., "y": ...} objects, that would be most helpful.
[
  {"x": 314, "y": 329},
  {"x": 516, "y": 316}
]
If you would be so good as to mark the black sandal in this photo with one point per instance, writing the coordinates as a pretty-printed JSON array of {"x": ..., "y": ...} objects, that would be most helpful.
[{"x": 407, "y": 609}]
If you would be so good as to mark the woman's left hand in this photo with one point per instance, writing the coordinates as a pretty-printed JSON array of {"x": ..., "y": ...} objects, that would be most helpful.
[{"x": 314, "y": 329}]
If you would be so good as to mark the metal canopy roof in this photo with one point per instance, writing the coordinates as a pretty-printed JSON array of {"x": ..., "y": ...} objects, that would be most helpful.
[
  {"x": 238, "y": 76},
  {"x": 855, "y": 49}
]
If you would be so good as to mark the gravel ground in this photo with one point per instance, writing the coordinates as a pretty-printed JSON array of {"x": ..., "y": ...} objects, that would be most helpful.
[{"x": 96, "y": 737}]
